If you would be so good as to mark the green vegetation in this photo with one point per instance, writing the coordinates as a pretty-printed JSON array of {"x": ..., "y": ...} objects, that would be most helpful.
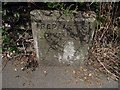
[{"x": 13, "y": 16}]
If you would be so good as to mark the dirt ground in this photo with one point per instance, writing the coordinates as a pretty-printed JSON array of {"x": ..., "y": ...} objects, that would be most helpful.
[{"x": 54, "y": 77}]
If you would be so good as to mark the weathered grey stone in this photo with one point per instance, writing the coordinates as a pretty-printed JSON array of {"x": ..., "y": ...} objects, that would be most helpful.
[{"x": 61, "y": 39}]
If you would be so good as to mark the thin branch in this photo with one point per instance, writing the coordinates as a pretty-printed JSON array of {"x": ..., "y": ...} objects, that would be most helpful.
[{"x": 106, "y": 68}]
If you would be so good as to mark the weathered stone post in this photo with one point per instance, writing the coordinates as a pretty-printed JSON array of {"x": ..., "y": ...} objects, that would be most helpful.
[{"x": 60, "y": 39}]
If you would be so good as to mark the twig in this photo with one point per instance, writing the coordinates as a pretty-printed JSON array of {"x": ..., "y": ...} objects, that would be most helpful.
[{"x": 106, "y": 68}]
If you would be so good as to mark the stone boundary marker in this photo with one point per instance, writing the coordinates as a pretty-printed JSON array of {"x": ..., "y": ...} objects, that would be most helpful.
[{"x": 61, "y": 39}]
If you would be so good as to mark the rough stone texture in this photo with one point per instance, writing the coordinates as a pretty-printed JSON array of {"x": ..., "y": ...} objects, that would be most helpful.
[{"x": 60, "y": 39}]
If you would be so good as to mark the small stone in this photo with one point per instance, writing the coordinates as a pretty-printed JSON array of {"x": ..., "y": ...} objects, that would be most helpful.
[
  {"x": 85, "y": 78},
  {"x": 22, "y": 62},
  {"x": 2, "y": 56},
  {"x": 74, "y": 71},
  {"x": 84, "y": 70},
  {"x": 11, "y": 53},
  {"x": 81, "y": 79},
  {"x": 90, "y": 75},
  {"x": 45, "y": 72},
  {"x": 15, "y": 69},
  {"x": 22, "y": 68}
]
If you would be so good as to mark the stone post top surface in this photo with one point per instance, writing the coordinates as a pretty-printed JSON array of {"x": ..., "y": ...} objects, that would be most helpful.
[{"x": 61, "y": 16}]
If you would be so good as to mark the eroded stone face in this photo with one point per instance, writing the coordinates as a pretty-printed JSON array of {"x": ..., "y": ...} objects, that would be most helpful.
[{"x": 60, "y": 39}]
